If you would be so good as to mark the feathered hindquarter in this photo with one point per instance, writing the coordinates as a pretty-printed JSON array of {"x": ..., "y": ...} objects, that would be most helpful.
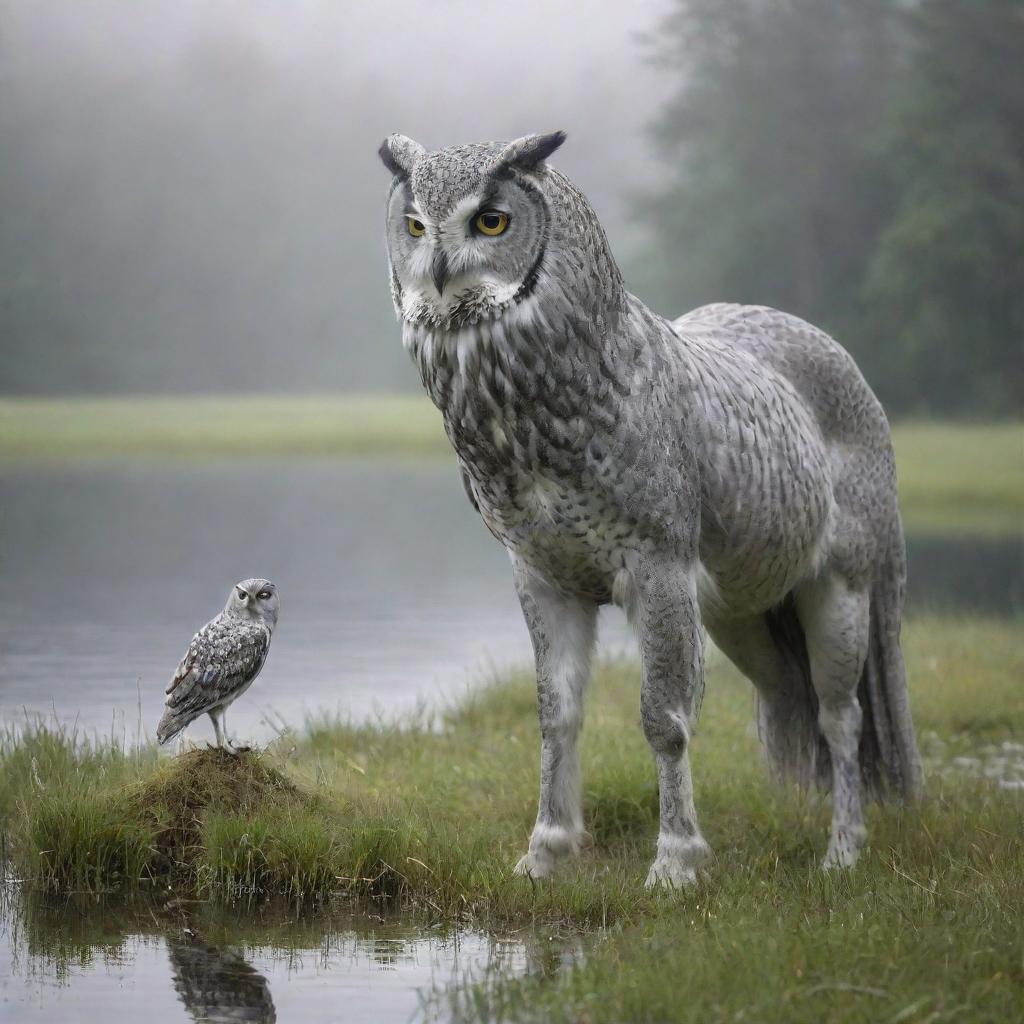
[
  {"x": 793, "y": 743},
  {"x": 223, "y": 659}
]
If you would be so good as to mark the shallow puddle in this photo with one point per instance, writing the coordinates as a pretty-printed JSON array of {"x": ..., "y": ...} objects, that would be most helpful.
[
  {"x": 87, "y": 961},
  {"x": 999, "y": 764}
]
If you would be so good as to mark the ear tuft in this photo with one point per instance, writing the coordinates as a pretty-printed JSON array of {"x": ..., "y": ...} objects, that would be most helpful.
[
  {"x": 530, "y": 152},
  {"x": 400, "y": 154}
]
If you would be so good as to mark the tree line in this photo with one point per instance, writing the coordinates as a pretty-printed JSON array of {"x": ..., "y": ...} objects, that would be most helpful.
[{"x": 859, "y": 163}]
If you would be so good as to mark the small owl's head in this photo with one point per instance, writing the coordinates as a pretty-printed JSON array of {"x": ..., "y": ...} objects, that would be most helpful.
[
  {"x": 255, "y": 599},
  {"x": 469, "y": 228}
]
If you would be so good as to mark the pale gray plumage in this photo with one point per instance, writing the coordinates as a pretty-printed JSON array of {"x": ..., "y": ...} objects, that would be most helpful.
[
  {"x": 730, "y": 470},
  {"x": 222, "y": 660}
]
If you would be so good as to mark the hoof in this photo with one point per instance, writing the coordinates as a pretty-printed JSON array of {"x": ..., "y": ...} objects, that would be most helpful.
[
  {"x": 677, "y": 861},
  {"x": 548, "y": 845},
  {"x": 843, "y": 851},
  {"x": 532, "y": 866},
  {"x": 670, "y": 873}
]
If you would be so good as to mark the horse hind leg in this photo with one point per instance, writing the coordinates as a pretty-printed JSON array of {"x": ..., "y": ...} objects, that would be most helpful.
[
  {"x": 769, "y": 650},
  {"x": 835, "y": 618}
]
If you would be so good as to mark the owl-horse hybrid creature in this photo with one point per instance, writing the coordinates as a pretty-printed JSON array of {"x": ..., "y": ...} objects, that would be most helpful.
[
  {"x": 222, "y": 660},
  {"x": 728, "y": 471}
]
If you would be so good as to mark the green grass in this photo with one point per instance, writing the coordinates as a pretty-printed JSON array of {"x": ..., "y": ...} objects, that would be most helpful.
[
  {"x": 952, "y": 477},
  {"x": 430, "y": 815},
  {"x": 199, "y": 427},
  {"x": 960, "y": 476}
]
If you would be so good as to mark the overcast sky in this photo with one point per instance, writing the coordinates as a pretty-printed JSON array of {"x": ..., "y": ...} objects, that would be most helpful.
[{"x": 197, "y": 180}]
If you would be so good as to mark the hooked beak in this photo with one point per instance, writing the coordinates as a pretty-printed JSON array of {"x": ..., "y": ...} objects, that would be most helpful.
[{"x": 439, "y": 270}]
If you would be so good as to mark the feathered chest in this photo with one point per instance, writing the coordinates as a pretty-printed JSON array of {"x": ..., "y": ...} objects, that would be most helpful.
[
  {"x": 531, "y": 430},
  {"x": 514, "y": 407}
]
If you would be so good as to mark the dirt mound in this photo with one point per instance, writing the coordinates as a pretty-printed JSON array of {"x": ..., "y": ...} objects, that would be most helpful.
[{"x": 176, "y": 798}]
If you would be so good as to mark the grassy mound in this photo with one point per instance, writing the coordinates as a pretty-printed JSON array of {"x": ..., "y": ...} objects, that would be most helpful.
[
  {"x": 87, "y": 816},
  {"x": 175, "y": 802}
]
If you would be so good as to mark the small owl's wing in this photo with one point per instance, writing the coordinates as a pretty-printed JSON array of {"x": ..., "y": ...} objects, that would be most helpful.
[
  {"x": 183, "y": 672},
  {"x": 223, "y": 657}
]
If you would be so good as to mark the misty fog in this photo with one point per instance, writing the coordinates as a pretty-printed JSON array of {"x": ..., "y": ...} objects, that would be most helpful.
[{"x": 190, "y": 196}]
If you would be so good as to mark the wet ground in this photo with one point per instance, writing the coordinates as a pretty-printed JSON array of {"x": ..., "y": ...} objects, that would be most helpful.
[{"x": 999, "y": 764}]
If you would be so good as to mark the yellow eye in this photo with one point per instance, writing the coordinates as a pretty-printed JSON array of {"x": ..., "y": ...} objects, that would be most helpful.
[
  {"x": 416, "y": 227},
  {"x": 491, "y": 222}
]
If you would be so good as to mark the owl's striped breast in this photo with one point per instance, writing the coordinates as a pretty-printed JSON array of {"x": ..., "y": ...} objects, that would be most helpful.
[{"x": 521, "y": 428}]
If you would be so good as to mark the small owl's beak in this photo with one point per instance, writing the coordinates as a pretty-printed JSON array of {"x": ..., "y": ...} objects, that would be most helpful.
[{"x": 439, "y": 270}]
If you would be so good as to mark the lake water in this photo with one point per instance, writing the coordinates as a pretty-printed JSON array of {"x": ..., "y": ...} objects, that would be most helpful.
[{"x": 393, "y": 592}]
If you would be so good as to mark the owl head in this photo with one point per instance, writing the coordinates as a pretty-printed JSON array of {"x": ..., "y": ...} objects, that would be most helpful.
[
  {"x": 480, "y": 232},
  {"x": 255, "y": 599}
]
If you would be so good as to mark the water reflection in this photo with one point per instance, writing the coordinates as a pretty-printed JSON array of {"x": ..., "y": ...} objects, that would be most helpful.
[
  {"x": 217, "y": 985},
  {"x": 84, "y": 959}
]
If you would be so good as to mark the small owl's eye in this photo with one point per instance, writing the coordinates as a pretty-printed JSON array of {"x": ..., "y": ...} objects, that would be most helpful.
[
  {"x": 416, "y": 227},
  {"x": 264, "y": 595},
  {"x": 242, "y": 595},
  {"x": 491, "y": 222}
]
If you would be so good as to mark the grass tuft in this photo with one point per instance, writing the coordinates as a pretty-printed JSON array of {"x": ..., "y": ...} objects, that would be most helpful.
[
  {"x": 86, "y": 840},
  {"x": 175, "y": 799}
]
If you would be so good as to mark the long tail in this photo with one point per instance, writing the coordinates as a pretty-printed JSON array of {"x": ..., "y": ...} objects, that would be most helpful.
[
  {"x": 888, "y": 747},
  {"x": 796, "y": 750}
]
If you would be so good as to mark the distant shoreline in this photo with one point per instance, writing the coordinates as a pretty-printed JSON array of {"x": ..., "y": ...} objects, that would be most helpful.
[
  {"x": 197, "y": 426},
  {"x": 953, "y": 477}
]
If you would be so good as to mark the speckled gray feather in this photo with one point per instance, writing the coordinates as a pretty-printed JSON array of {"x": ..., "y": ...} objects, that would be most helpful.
[
  {"x": 729, "y": 470},
  {"x": 222, "y": 660}
]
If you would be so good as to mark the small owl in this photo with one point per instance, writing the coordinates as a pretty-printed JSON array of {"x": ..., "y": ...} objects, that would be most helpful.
[{"x": 223, "y": 659}]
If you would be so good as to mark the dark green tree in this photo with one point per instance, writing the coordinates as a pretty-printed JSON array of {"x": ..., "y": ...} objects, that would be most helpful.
[
  {"x": 859, "y": 163},
  {"x": 945, "y": 290},
  {"x": 778, "y": 194}
]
